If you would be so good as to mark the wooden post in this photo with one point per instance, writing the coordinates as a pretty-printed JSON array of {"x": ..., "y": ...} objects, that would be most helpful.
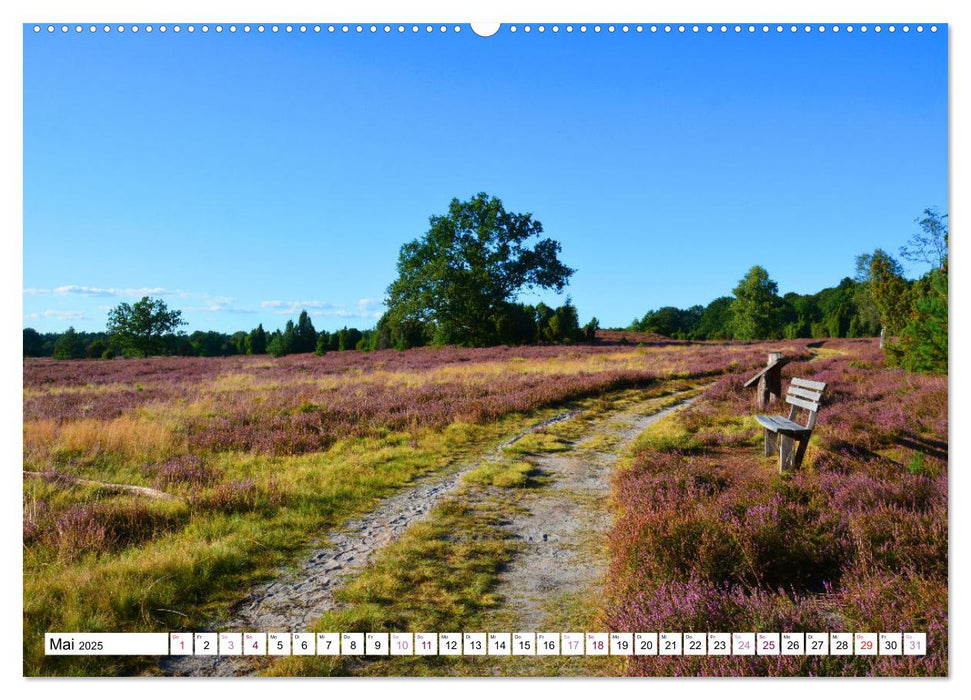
[
  {"x": 770, "y": 383},
  {"x": 771, "y": 443},
  {"x": 883, "y": 337},
  {"x": 786, "y": 453}
]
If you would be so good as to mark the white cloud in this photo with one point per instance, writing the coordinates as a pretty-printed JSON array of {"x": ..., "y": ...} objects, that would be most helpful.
[
  {"x": 320, "y": 308},
  {"x": 370, "y": 304},
  {"x": 220, "y": 305},
  {"x": 57, "y": 314},
  {"x": 84, "y": 291}
]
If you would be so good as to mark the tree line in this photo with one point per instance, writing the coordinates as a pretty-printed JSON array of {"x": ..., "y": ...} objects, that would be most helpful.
[
  {"x": 459, "y": 284},
  {"x": 878, "y": 298}
]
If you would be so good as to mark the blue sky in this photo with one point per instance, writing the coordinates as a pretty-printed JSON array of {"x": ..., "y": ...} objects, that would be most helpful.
[{"x": 245, "y": 177}]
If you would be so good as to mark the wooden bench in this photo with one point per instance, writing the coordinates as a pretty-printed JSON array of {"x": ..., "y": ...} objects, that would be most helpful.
[{"x": 783, "y": 434}]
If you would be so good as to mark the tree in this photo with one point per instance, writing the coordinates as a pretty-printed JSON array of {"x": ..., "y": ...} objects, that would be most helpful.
[
  {"x": 96, "y": 350},
  {"x": 139, "y": 328},
  {"x": 516, "y": 324},
  {"x": 888, "y": 287},
  {"x": 33, "y": 343},
  {"x": 304, "y": 334},
  {"x": 239, "y": 342},
  {"x": 929, "y": 245},
  {"x": 756, "y": 307},
  {"x": 468, "y": 265},
  {"x": 69, "y": 346},
  {"x": 348, "y": 338},
  {"x": 922, "y": 346},
  {"x": 590, "y": 330},
  {"x": 256, "y": 341},
  {"x": 715, "y": 322}
]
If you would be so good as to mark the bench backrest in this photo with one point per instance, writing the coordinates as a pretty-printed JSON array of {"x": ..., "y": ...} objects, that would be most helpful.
[{"x": 805, "y": 393}]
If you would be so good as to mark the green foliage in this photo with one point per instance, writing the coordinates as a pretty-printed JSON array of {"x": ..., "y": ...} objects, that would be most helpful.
[
  {"x": 471, "y": 262},
  {"x": 256, "y": 341},
  {"x": 212, "y": 344},
  {"x": 922, "y": 345},
  {"x": 33, "y": 343},
  {"x": 348, "y": 338},
  {"x": 304, "y": 334},
  {"x": 239, "y": 342},
  {"x": 884, "y": 275},
  {"x": 69, "y": 346},
  {"x": 715, "y": 322},
  {"x": 139, "y": 328},
  {"x": 590, "y": 330},
  {"x": 563, "y": 326},
  {"x": 323, "y": 343},
  {"x": 756, "y": 308},
  {"x": 670, "y": 321},
  {"x": 516, "y": 324},
  {"x": 96, "y": 349}
]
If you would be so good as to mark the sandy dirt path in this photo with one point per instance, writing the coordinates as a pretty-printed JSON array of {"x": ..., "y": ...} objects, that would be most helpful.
[
  {"x": 302, "y": 593},
  {"x": 556, "y": 522},
  {"x": 562, "y": 527}
]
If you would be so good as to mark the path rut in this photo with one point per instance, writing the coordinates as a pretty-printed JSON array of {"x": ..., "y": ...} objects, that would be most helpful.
[{"x": 561, "y": 527}]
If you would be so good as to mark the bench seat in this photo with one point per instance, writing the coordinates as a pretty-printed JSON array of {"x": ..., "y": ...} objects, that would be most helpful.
[{"x": 781, "y": 424}]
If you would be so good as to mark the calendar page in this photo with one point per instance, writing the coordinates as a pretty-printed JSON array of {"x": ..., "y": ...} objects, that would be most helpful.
[{"x": 399, "y": 348}]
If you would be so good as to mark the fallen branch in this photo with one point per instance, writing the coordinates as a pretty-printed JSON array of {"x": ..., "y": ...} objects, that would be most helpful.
[{"x": 57, "y": 477}]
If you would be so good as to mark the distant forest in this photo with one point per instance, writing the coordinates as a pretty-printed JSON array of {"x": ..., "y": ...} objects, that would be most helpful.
[{"x": 436, "y": 303}]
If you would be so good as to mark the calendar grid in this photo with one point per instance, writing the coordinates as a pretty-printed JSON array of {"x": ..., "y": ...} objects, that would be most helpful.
[{"x": 377, "y": 644}]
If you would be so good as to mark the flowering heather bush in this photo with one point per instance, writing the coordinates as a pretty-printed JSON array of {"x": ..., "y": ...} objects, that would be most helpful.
[
  {"x": 103, "y": 526},
  {"x": 184, "y": 471},
  {"x": 239, "y": 496},
  {"x": 715, "y": 540}
]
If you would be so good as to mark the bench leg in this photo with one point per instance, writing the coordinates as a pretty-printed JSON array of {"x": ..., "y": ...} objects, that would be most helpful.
[
  {"x": 786, "y": 453},
  {"x": 771, "y": 443},
  {"x": 800, "y": 452}
]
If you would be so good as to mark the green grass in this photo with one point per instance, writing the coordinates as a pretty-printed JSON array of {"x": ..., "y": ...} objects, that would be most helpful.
[
  {"x": 504, "y": 474},
  {"x": 440, "y": 576},
  {"x": 184, "y": 578}
]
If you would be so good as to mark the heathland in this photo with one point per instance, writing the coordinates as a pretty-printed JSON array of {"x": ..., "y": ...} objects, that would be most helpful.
[{"x": 249, "y": 463}]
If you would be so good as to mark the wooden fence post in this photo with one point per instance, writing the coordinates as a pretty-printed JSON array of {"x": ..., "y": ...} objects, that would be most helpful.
[{"x": 770, "y": 383}]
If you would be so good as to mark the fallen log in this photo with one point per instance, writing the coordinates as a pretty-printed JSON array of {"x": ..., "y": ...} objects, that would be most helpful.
[{"x": 57, "y": 477}]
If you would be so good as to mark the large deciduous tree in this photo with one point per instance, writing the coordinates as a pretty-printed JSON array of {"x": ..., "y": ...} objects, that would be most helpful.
[
  {"x": 139, "y": 328},
  {"x": 756, "y": 308},
  {"x": 472, "y": 262}
]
